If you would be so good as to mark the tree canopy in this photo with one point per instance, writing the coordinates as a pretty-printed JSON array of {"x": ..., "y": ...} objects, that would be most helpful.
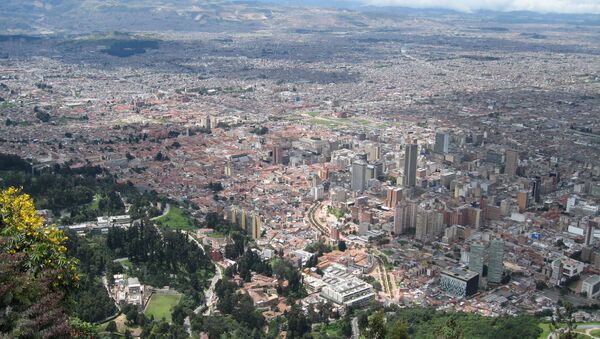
[{"x": 35, "y": 273}]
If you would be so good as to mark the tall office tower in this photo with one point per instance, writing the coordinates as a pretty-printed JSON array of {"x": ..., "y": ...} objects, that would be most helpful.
[
  {"x": 371, "y": 173},
  {"x": 589, "y": 232},
  {"x": 359, "y": 170},
  {"x": 496, "y": 263},
  {"x": 476, "y": 257},
  {"x": 394, "y": 196},
  {"x": 522, "y": 200},
  {"x": 511, "y": 162},
  {"x": 255, "y": 230},
  {"x": 277, "y": 155},
  {"x": 536, "y": 189},
  {"x": 410, "y": 165},
  {"x": 442, "y": 142}
]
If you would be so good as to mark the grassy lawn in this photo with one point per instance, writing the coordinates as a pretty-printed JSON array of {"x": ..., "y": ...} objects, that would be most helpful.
[
  {"x": 176, "y": 219},
  {"x": 126, "y": 264},
  {"x": 330, "y": 330},
  {"x": 312, "y": 114},
  {"x": 6, "y": 105},
  {"x": 216, "y": 235},
  {"x": 545, "y": 330},
  {"x": 363, "y": 122},
  {"x": 325, "y": 122},
  {"x": 332, "y": 122},
  {"x": 595, "y": 333},
  {"x": 161, "y": 305},
  {"x": 121, "y": 322},
  {"x": 573, "y": 285},
  {"x": 388, "y": 251},
  {"x": 95, "y": 202}
]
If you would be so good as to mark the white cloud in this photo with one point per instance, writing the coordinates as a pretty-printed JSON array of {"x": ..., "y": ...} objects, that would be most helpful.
[{"x": 544, "y": 6}]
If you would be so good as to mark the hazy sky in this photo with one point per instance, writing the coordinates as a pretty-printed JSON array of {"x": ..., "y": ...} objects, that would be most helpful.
[{"x": 553, "y": 6}]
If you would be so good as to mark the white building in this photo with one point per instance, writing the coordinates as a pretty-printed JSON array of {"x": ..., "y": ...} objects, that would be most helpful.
[
  {"x": 591, "y": 286},
  {"x": 343, "y": 288},
  {"x": 317, "y": 192}
]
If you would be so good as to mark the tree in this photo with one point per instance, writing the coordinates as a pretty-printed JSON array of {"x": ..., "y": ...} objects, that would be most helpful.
[
  {"x": 376, "y": 328},
  {"x": 42, "y": 116},
  {"x": 178, "y": 315},
  {"x": 398, "y": 331},
  {"x": 565, "y": 317},
  {"x": 342, "y": 245},
  {"x": 23, "y": 231},
  {"x": 363, "y": 320},
  {"x": 34, "y": 272},
  {"x": 346, "y": 325},
  {"x": 450, "y": 330},
  {"x": 297, "y": 323},
  {"x": 111, "y": 327}
]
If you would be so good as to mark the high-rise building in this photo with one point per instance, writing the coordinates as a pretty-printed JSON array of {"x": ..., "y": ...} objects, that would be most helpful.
[
  {"x": 442, "y": 142},
  {"x": 338, "y": 195},
  {"x": 373, "y": 152},
  {"x": 410, "y": 165},
  {"x": 206, "y": 122},
  {"x": 511, "y": 162},
  {"x": 589, "y": 232},
  {"x": 496, "y": 262},
  {"x": 405, "y": 216},
  {"x": 476, "y": 257},
  {"x": 371, "y": 173},
  {"x": 359, "y": 169},
  {"x": 394, "y": 196},
  {"x": 523, "y": 200},
  {"x": 232, "y": 217},
  {"x": 277, "y": 155},
  {"x": 255, "y": 229},
  {"x": 429, "y": 224},
  {"x": 228, "y": 170},
  {"x": 536, "y": 190},
  {"x": 317, "y": 192},
  {"x": 334, "y": 233},
  {"x": 243, "y": 220}
]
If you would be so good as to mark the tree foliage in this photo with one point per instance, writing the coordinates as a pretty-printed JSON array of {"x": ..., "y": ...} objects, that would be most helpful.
[
  {"x": 167, "y": 258},
  {"x": 23, "y": 231},
  {"x": 61, "y": 188},
  {"x": 35, "y": 273}
]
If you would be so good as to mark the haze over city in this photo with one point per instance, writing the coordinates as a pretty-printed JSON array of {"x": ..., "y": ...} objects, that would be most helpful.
[{"x": 284, "y": 169}]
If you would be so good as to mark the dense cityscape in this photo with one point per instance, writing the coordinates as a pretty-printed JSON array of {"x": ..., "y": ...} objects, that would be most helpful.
[{"x": 314, "y": 172}]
